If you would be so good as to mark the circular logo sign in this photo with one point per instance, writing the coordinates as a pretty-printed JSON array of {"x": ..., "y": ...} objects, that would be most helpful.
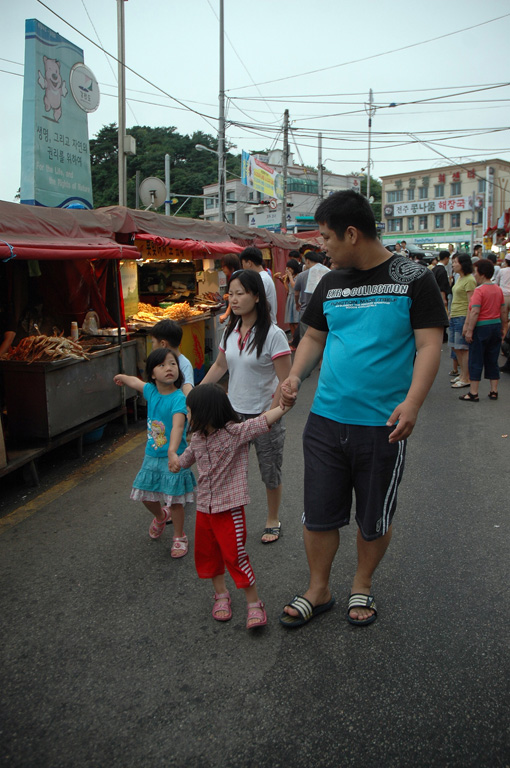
[
  {"x": 84, "y": 88},
  {"x": 403, "y": 270},
  {"x": 272, "y": 205}
]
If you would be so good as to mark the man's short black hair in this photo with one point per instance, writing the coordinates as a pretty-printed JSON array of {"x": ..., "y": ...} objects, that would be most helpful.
[
  {"x": 443, "y": 255},
  {"x": 315, "y": 256},
  {"x": 252, "y": 254},
  {"x": 347, "y": 209},
  {"x": 491, "y": 256}
]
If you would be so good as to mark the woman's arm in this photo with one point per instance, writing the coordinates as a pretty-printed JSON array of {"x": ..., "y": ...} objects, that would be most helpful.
[
  {"x": 469, "y": 325},
  {"x": 129, "y": 381},
  {"x": 217, "y": 369},
  {"x": 282, "y": 366}
]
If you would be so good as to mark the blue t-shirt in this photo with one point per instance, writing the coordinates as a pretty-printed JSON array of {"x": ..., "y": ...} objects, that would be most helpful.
[
  {"x": 370, "y": 317},
  {"x": 160, "y": 411}
]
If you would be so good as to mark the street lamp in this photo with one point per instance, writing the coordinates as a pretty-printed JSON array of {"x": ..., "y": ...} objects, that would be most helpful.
[{"x": 221, "y": 177}]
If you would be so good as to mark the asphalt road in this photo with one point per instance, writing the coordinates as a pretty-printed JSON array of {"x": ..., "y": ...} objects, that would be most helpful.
[{"x": 110, "y": 656}]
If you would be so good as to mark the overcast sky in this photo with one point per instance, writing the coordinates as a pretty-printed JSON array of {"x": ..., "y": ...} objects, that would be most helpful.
[{"x": 270, "y": 47}]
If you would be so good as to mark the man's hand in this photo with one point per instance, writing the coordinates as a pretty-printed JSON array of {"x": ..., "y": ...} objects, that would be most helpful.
[
  {"x": 406, "y": 414},
  {"x": 289, "y": 391}
]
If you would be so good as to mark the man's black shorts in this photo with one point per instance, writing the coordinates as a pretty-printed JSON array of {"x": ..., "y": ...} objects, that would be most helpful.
[{"x": 340, "y": 458}]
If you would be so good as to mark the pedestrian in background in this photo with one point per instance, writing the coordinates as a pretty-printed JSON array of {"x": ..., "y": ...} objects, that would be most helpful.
[
  {"x": 162, "y": 493},
  {"x": 219, "y": 447},
  {"x": 462, "y": 290},
  {"x": 485, "y": 327},
  {"x": 229, "y": 264}
]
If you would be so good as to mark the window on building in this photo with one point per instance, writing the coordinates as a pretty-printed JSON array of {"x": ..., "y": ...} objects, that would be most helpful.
[
  {"x": 482, "y": 185},
  {"x": 410, "y": 223},
  {"x": 395, "y": 196},
  {"x": 395, "y": 225},
  {"x": 439, "y": 221},
  {"x": 210, "y": 202},
  {"x": 422, "y": 222},
  {"x": 231, "y": 195},
  {"x": 231, "y": 218},
  {"x": 455, "y": 188},
  {"x": 423, "y": 193},
  {"x": 455, "y": 222},
  {"x": 410, "y": 194},
  {"x": 479, "y": 217},
  {"x": 439, "y": 190}
]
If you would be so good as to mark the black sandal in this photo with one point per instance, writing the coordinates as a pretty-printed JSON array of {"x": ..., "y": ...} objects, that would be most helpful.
[
  {"x": 493, "y": 395},
  {"x": 276, "y": 531},
  {"x": 469, "y": 397}
]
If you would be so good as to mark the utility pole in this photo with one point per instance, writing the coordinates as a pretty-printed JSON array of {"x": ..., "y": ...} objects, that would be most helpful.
[
  {"x": 167, "y": 184},
  {"x": 122, "y": 103},
  {"x": 283, "y": 226},
  {"x": 321, "y": 170},
  {"x": 221, "y": 126},
  {"x": 371, "y": 113}
]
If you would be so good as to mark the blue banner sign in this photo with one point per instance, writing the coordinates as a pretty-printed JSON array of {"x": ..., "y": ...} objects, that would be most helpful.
[{"x": 55, "y": 162}]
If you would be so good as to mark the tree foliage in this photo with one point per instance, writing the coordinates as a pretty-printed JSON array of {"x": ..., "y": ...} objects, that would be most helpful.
[
  {"x": 190, "y": 169},
  {"x": 375, "y": 192}
]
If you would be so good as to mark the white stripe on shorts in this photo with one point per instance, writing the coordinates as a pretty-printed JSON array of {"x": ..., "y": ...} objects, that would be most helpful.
[{"x": 393, "y": 486}]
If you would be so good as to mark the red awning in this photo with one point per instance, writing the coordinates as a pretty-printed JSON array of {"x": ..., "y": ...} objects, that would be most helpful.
[
  {"x": 34, "y": 232},
  {"x": 198, "y": 247},
  {"x": 58, "y": 250}
]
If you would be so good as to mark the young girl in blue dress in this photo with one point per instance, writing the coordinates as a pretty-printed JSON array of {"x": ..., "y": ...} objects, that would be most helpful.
[{"x": 162, "y": 492}]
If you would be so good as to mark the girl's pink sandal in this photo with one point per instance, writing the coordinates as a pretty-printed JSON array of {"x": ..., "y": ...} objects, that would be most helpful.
[
  {"x": 222, "y": 605},
  {"x": 256, "y": 615},
  {"x": 158, "y": 526},
  {"x": 179, "y": 546}
]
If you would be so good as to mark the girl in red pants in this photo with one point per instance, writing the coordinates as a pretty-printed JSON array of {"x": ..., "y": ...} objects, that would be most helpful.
[{"x": 219, "y": 446}]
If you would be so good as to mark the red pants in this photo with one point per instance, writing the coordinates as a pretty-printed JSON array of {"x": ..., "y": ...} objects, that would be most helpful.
[{"x": 219, "y": 542}]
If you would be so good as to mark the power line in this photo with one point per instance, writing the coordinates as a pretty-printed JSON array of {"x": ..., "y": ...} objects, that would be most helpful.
[{"x": 375, "y": 55}]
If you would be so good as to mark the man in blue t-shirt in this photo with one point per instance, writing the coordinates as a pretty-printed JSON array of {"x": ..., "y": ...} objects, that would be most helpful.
[{"x": 377, "y": 319}]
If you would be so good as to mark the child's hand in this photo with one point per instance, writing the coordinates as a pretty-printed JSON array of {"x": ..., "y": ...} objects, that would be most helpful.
[
  {"x": 173, "y": 462},
  {"x": 118, "y": 379}
]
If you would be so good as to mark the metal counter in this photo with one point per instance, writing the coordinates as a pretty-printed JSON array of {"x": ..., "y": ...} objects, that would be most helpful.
[{"x": 46, "y": 399}]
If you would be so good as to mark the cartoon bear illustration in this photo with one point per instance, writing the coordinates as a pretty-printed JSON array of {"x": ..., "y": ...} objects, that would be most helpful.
[{"x": 53, "y": 85}]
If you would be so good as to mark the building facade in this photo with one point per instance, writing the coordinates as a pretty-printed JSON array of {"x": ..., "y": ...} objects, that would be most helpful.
[
  {"x": 246, "y": 207},
  {"x": 451, "y": 204}
]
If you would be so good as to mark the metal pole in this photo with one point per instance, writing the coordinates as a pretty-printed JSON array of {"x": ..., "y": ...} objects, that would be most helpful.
[
  {"x": 283, "y": 226},
  {"x": 122, "y": 103},
  {"x": 138, "y": 176},
  {"x": 321, "y": 170},
  {"x": 167, "y": 184},
  {"x": 221, "y": 127},
  {"x": 371, "y": 112}
]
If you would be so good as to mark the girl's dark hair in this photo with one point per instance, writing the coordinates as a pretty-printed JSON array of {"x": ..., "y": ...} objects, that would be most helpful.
[
  {"x": 465, "y": 263},
  {"x": 210, "y": 407},
  {"x": 158, "y": 356},
  {"x": 252, "y": 283},
  {"x": 485, "y": 267},
  {"x": 294, "y": 266}
]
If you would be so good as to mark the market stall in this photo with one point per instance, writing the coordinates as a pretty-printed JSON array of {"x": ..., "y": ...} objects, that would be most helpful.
[{"x": 57, "y": 268}]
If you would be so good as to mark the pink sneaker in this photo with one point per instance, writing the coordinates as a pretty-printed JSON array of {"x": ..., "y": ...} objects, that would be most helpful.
[{"x": 158, "y": 526}]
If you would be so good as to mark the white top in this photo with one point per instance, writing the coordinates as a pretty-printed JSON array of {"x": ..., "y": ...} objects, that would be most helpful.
[
  {"x": 270, "y": 293},
  {"x": 253, "y": 381},
  {"x": 503, "y": 280},
  {"x": 314, "y": 275},
  {"x": 186, "y": 370}
]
